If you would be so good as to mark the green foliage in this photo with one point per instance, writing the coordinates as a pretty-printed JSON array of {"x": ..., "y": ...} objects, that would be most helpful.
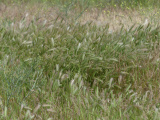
[
  {"x": 96, "y": 3},
  {"x": 74, "y": 71}
]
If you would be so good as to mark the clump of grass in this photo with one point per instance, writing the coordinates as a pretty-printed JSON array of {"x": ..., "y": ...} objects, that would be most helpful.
[{"x": 73, "y": 71}]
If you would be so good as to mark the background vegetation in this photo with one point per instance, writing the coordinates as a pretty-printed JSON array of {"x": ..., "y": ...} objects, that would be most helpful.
[{"x": 93, "y": 3}]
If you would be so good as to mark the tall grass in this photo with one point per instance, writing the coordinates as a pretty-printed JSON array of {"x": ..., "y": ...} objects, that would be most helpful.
[{"x": 75, "y": 71}]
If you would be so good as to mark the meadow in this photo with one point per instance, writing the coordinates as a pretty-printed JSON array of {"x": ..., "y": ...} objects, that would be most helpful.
[{"x": 85, "y": 60}]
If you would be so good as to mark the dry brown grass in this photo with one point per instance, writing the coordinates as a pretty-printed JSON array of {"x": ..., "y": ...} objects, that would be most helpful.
[{"x": 114, "y": 17}]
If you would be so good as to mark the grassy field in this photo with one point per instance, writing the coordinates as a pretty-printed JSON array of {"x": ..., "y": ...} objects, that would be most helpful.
[{"x": 79, "y": 60}]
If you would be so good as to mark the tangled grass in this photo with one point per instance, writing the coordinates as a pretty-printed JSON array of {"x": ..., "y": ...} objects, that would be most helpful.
[{"x": 68, "y": 70}]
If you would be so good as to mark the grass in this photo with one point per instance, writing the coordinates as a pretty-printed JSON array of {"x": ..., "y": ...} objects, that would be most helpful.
[
  {"x": 65, "y": 68},
  {"x": 82, "y": 4}
]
